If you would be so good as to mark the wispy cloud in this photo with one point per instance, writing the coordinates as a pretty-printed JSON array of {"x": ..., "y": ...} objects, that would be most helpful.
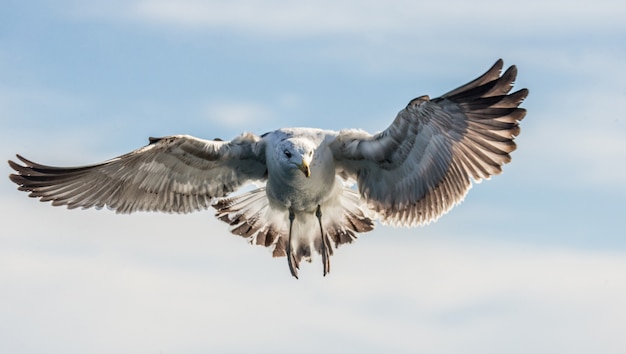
[
  {"x": 575, "y": 125},
  {"x": 506, "y": 275},
  {"x": 288, "y": 19},
  {"x": 18, "y": 104},
  {"x": 242, "y": 115},
  {"x": 191, "y": 291},
  {"x": 589, "y": 155}
]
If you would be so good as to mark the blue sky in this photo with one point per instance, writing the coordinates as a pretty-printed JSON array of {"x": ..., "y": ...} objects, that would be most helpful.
[{"x": 533, "y": 260}]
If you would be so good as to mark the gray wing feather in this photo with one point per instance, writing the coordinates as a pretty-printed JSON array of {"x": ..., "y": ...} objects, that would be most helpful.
[
  {"x": 172, "y": 174},
  {"x": 423, "y": 163}
]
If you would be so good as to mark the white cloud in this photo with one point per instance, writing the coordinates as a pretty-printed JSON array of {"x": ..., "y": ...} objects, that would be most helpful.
[
  {"x": 284, "y": 18},
  {"x": 150, "y": 283},
  {"x": 89, "y": 281},
  {"x": 575, "y": 131},
  {"x": 242, "y": 115},
  {"x": 591, "y": 155},
  {"x": 252, "y": 116},
  {"x": 18, "y": 104}
]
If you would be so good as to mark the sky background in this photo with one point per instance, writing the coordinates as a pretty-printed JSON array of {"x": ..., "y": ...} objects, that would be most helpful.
[{"x": 533, "y": 261}]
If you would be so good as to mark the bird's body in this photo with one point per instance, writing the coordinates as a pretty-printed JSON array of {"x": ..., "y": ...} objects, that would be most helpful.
[
  {"x": 409, "y": 174},
  {"x": 301, "y": 187}
]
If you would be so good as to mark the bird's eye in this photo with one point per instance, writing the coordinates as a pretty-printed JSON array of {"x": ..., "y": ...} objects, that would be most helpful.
[
  {"x": 287, "y": 153},
  {"x": 310, "y": 153}
]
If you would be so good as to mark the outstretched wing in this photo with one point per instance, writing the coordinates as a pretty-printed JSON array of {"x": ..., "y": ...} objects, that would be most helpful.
[
  {"x": 422, "y": 165},
  {"x": 172, "y": 174}
]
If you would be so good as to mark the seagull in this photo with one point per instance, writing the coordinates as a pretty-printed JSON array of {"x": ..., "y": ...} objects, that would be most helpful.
[{"x": 315, "y": 189}]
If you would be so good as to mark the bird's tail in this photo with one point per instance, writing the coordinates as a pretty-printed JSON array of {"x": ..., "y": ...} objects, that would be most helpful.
[{"x": 251, "y": 216}]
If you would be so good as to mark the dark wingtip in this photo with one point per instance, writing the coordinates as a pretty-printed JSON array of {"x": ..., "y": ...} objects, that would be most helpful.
[
  {"x": 525, "y": 93},
  {"x": 14, "y": 165},
  {"x": 17, "y": 179},
  {"x": 27, "y": 163},
  {"x": 490, "y": 75},
  {"x": 511, "y": 72},
  {"x": 24, "y": 160},
  {"x": 498, "y": 65},
  {"x": 20, "y": 169}
]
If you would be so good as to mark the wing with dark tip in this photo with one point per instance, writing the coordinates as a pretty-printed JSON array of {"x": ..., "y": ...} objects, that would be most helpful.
[
  {"x": 423, "y": 163},
  {"x": 177, "y": 174}
]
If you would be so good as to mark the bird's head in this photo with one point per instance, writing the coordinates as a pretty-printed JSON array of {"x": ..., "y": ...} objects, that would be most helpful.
[{"x": 296, "y": 154}]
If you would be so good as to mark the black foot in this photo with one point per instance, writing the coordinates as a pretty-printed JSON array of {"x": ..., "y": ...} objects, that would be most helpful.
[
  {"x": 293, "y": 265},
  {"x": 325, "y": 243}
]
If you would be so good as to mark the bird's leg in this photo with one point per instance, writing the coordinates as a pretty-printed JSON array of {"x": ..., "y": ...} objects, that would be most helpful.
[
  {"x": 293, "y": 266},
  {"x": 325, "y": 245}
]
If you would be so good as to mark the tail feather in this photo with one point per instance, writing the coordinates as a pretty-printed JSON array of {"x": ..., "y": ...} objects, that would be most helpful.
[{"x": 251, "y": 216}]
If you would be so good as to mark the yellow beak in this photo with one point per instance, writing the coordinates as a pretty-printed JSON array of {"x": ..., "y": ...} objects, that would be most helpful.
[{"x": 304, "y": 167}]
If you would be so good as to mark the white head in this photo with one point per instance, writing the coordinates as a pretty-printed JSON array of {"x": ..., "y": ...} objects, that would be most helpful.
[{"x": 296, "y": 154}]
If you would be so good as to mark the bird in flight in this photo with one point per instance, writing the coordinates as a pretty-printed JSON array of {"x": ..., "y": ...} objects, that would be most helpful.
[{"x": 409, "y": 174}]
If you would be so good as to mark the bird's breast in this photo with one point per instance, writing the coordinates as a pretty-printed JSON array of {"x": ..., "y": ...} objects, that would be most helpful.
[{"x": 291, "y": 188}]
